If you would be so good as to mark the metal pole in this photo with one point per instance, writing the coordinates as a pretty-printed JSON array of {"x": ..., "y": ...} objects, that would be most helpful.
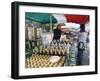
[{"x": 51, "y": 25}]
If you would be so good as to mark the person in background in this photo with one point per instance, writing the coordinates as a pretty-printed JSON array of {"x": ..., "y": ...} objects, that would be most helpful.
[{"x": 82, "y": 37}]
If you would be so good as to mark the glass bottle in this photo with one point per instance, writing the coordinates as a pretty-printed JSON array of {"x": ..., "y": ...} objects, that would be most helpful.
[{"x": 72, "y": 54}]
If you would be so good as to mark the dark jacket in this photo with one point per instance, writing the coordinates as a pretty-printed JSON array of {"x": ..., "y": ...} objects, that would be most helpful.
[{"x": 57, "y": 34}]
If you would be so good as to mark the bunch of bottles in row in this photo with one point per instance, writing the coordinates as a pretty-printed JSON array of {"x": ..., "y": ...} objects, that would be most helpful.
[{"x": 56, "y": 47}]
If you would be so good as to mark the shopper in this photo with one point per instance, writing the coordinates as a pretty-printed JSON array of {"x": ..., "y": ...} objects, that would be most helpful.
[{"x": 82, "y": 37}]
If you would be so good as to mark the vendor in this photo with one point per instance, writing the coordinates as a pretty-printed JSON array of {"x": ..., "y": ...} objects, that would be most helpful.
[{"x": 58, "y": 32}]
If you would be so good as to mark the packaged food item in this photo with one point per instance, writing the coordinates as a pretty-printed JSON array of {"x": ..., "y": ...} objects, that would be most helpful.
[{"x": 54, "y": 59}]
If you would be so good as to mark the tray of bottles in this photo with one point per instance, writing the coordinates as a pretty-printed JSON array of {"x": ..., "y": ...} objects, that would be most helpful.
[{"x": 40, "y": 61}]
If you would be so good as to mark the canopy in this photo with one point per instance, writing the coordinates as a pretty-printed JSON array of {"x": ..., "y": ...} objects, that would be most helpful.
[
  {"x": 60, "y": 18},
  {"x": 79, "y": 19},
  {"x": 46, "y": 18},
  {"x": 43, "y": 18}
]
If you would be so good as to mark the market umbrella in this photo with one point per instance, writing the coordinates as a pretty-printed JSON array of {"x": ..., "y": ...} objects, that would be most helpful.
[
  {"x": 42, "y": 18},
  {"x": 60, "y": 18},
  {"x": 79, "y": 19}
]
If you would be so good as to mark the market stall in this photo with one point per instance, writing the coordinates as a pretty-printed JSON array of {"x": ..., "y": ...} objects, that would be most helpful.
[{"x": 46, "y": 50}]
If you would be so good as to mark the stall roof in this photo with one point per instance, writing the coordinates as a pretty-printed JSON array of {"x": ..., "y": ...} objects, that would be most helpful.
[
  {"x": 79, "y": 19},
  {"x": 43, "y": 18}
]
